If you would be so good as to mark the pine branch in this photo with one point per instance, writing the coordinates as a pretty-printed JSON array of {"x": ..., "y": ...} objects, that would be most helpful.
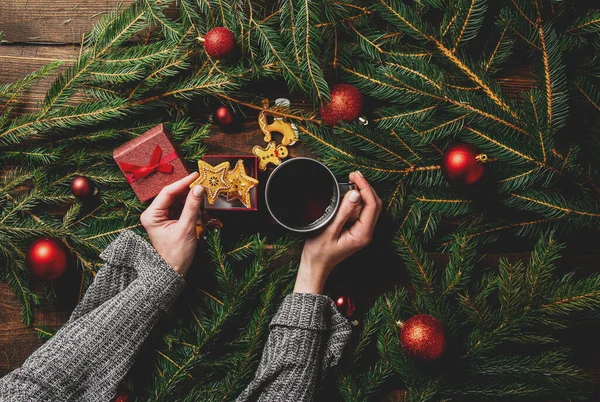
[{"x": 306, "y": 34}]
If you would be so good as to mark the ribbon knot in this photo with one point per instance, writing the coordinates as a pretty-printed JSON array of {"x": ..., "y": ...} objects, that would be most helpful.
[{"x": 157, "y": 164}]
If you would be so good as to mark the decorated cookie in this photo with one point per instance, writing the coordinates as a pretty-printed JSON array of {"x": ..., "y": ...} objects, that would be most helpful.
[
  {"x": 240, "y": 184},
  {"x": 212, "y": 178},
  {"x": 288, "y": 130},
  {"x": 271, "y": 154}
]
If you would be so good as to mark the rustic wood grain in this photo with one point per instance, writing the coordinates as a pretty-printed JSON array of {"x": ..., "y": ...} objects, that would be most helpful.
[
  {"x": 52, "y": 21},
  {"x": 16, "y": 61},
  {"x": 17, "y": 341}
]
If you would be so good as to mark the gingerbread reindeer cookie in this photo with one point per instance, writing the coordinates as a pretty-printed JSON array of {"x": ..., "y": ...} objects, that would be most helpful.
[
  {"x": 273, "y": 154},
  {"x": 288, "y": 130}
]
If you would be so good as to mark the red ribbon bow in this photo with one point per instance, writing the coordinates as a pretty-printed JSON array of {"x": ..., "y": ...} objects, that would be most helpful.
[{"x": 156, "y": 164}]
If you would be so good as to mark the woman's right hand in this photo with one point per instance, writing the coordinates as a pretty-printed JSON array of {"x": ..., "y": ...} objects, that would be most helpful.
[
  {"x": 339, "y": 241},
  {"x": 174, "y": 237}
]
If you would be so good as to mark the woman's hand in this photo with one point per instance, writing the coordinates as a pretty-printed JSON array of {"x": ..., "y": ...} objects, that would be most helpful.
[
  {"x": 175, "y": 240},
  {"x": 337, "y": 241}
]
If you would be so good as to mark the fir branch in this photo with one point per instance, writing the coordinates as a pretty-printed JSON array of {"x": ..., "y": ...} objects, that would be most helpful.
[
  {"x": 400, "y": 13},
  {"x": 551, "y": 205},
  {"x": 419, "y": 266},
  {"x": 511, "y": 287},
  {"x": 458, "y": 269},
  {"x": 308, "y": 46},
  {"x": 589, "y": 23},
  {"x": 541, "y": 268},
  {"x": 471, "y": 13},
  {"x": 44, "y": 333},
  {"x": 589, "y": 92}
]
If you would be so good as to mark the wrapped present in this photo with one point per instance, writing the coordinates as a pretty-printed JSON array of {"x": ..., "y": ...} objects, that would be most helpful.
[{"x": 150, "y": 162}]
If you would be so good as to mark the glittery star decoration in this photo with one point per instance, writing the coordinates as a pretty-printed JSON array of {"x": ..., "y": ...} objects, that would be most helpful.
[
  {"x": 212, "y": 178},
  {"x": 240, "y": 184}
]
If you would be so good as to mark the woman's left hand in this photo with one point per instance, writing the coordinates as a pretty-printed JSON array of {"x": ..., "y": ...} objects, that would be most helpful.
[{"x": 175, "y": 239}]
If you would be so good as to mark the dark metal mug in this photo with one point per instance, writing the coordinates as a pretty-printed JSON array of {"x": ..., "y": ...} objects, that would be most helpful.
[{"x": 338, "y": 191}]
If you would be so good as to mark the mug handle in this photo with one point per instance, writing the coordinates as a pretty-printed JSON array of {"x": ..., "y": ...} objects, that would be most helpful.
[{"x": 345, "y": 188}]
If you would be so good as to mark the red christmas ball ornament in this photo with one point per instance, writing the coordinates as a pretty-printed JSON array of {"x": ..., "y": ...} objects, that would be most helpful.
[
  {"x": 224, "y": 116},
  {"x": 346, "y": 105},
  {"x": 422, "y": 336},
  {"x": 47, "y": 258},
  {"x": 82, "y": 187},
  {"x": 122, "y": 397},
  {"x": 345, "y": 306},
  {"x": 463, "y": 164},
  {"x": 219, "y": 43}
]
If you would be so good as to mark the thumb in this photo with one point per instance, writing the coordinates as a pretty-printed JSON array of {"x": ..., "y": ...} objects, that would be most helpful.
[
  {"x": 350, "y": 204},
  {"x": 191, "y": 209}
]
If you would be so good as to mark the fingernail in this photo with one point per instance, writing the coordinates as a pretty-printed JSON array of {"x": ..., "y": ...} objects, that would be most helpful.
[
  {"x": 359, "y": 173},
  {"x": 198, "y": 190},
  {"x": 354, "y": 196}
]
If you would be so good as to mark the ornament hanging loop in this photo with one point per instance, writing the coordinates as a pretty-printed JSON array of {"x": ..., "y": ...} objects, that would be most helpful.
[{"x": 482, "y": 158}]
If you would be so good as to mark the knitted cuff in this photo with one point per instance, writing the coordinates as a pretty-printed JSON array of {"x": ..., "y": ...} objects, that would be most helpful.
[
  {"x": 339, "y": 335},
  {"x": 131, "y": 250},
  {"x": 303, "y": 310}
]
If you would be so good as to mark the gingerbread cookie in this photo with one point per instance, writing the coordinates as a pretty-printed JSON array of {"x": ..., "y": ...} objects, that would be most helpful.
[
  {"x": 212, "y": 178},
  {"x": 271, "y": 154},
  {"x": 240, "y": 184},
  {"x": 288, "y": 130}
]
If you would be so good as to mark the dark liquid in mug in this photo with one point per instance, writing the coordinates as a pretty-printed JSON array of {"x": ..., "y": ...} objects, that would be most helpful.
[{"x": 300, "y": 193}]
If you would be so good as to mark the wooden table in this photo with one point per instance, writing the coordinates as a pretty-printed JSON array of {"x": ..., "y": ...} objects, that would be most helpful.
[{"x": 39, "y": 31}]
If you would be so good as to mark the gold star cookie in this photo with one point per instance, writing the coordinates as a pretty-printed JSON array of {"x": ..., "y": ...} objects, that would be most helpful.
[
  {"x": 240, "y": 184},
  {"x": 212, "y": 178}
]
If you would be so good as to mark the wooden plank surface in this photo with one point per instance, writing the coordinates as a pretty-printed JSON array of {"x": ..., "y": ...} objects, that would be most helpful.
[
  {"x": 51, "y": 21},
  {"x": 16, "y": 61},
  {"x": 17, "y": 341}
]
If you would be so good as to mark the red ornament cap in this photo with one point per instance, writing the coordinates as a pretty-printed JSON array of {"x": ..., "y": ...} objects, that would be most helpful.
[
  {"x": 219, "y": 43},
  {"x": 422, "y": 336},
  {"x": 47, "y": 258},
  {"x": 463, "y": 164},
  {"x": 346, "y": 104}
]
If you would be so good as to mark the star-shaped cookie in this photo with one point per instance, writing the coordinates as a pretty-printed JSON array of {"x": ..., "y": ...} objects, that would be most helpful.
[
  {"x": 212, "y": 178},
  {"x": 240, "y": 184}
]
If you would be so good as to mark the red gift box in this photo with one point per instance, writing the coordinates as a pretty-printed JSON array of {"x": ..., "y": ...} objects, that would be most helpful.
[
  {"x": 251, "y": 165},
  {"x": 150, "y": 162}
]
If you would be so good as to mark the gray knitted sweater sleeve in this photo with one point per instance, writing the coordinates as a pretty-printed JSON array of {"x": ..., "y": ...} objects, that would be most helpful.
[
  {"x": 307, "y": 338},
  {"x": 92, "y": 352},
  {"x": 90, "y": 355}
]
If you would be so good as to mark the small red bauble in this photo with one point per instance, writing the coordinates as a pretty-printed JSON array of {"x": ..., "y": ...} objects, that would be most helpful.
[
  {"x": 345, "y": 305},
  {"x": 463, "y": 164},
  {"x": 346, "y": 104},
  {"x": 219, "y": 43},
  {"x": 47, "y": 258},
  {"x": 122, "y": 397},
  {"x": 82, "y": 187},
  {"x": 224, "y": 115},
  {"x": 422, "y": 336}
]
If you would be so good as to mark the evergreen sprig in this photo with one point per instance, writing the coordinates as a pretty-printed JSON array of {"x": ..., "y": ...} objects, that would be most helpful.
[{"x": 487, "y": 316}]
